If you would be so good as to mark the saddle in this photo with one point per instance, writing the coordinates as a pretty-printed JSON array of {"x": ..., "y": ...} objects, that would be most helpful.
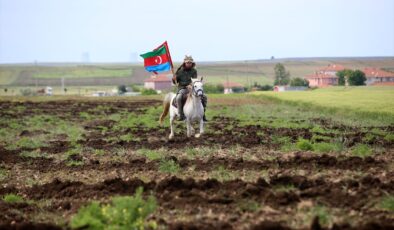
[{"x": 184, "y": 97}]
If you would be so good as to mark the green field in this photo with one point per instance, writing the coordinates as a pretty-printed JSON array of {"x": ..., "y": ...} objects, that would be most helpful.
[
  {"x": 57, "y": 90},
  {"x": 243, "y": 72},
  {"x": 246, "y": 81},
  {"x": 370, "y": 101},
  {"x": 82, "y": 72}
]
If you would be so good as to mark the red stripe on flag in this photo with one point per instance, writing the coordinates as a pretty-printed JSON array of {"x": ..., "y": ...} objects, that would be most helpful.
[{"x": 156, "y": 60}]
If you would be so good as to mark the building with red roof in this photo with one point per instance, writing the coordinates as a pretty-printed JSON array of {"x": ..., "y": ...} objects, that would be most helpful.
[
  {"x": 321, "y": 80},
  {"x": 377, "y": 76},
  {"x": 159, "y": 82},
  {"x": 231, "y": 87},
  {"x": 325, "y": 76}
]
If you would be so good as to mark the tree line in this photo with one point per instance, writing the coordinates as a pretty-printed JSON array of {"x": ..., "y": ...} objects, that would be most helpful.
[{"x": 353, "y": 77}]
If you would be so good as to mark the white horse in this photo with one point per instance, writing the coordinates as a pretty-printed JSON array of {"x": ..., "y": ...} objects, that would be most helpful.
[{"x": 193, "y": 109}]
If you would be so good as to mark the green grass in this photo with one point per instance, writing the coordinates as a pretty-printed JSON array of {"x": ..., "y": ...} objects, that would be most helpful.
[
  {"x": 13, "y": 198},
  {"x": 150, "y": 154},
  {"x": 169, "y": 166},
  {"x": 34, "y": 154},
  {"x": 285, "y": 188},
  {"x": 3, "y": 174},
  {"x": 128, "y": 137},
  {"x": 47, "y": 128},
  {"x": 27, "y": 143},
  {"x": 134, "y": 121},
  {"x": 81, "y": 72},
  {"x": 8, "y": 75},
  {"x": 99, "y": 152},
  {"x": 325, "y": 217},
  {"x": 387, "y": 203},
  {"x": 326, "y": 147},
  {"x": 304, "y": 145},
  {"x": 362, "y": 150},
  {"x": 389, "y": 137},
  {"x": 74, "y": 163},
  {"x": 248, "y": 205},
  {"x": 57, "y": 91},
  {"x": 362, "y": 101},
  {"x": 222, "y": 174},
  {"x": 244, "y": 80},
  {"x": 85, "y": 116},
  {"x": 71, "y": 156},
  {"x": 123, "y": 212}
]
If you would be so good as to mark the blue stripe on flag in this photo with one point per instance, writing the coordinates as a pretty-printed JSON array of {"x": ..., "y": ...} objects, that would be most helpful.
[{"x": 157, "y": 68}]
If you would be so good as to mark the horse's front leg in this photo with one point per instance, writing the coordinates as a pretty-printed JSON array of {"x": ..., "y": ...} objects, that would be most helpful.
[
  {"x": 189, "y": 128},
  {"x": 201, "y": 129}
]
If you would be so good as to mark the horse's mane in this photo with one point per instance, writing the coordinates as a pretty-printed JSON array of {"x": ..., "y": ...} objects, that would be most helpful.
[{"x": 190, "y": 92}]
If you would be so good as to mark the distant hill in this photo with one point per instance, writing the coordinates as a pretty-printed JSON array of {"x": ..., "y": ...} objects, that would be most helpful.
[{"x": 244, "y": 72}]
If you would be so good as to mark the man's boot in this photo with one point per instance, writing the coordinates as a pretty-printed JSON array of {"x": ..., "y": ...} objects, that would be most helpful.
[
  {"x": 180, "y": 108},
  {"x": 204, "y": 104},
  {"x": 204, "y": 118}
]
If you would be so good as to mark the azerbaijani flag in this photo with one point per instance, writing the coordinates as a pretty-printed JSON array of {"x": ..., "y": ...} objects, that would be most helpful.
[{"x": 158, "y": 60}]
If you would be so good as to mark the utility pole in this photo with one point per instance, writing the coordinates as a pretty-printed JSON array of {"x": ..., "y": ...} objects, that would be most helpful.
[{"x": 62, "y": 85}]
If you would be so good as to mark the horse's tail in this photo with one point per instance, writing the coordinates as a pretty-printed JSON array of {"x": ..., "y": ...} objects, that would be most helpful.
[{"x": 166, "y": 106}]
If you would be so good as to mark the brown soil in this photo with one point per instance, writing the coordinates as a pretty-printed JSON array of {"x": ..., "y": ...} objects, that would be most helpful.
[{"x": 339, "y": 182}]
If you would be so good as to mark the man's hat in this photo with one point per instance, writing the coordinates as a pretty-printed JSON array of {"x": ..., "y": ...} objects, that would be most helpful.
[{"x": 188, "y": 59}]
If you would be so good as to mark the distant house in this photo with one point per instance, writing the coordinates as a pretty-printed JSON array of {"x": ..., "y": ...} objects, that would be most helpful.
[
  {"x": 283, "y": 88},
  {"x": 321, "y": 80},
  {"x": 233, "y": 87},
  {"x": 158, "y": 82},
  {"x": 377, "y": 76},
  {"x": 325, "y": 76}
]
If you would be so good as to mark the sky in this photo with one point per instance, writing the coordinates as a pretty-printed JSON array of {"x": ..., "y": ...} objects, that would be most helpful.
[{"x": 220, "y": 30}]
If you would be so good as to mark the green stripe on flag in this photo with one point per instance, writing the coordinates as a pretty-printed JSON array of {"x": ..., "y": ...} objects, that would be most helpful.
[{"x": 154, "y": 53}]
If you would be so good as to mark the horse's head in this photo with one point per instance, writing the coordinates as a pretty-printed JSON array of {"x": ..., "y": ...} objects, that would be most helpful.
[{"x": 197, "y": 87}]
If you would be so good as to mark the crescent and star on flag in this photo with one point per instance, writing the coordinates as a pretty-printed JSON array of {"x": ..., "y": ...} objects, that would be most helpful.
[{"x": 158, "y": 60}]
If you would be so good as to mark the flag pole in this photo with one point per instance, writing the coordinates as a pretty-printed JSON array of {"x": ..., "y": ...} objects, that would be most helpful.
[{"x": 172, "y": 66}]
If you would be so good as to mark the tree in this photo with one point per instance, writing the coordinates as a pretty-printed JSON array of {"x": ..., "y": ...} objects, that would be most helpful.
[
  {"x": 281, "y": 76},
  {"x": 209, "y": 88},
  {"x": 299, "y": 82},
  {"x": 354, "y": 77},
  {"x": 357, "y": 78},
  {"x": 148, "y": 92},
  {"x": 122, "y": 89},
  {"x": 263, "y": 87},
  {"x": 342, "y": 75}
]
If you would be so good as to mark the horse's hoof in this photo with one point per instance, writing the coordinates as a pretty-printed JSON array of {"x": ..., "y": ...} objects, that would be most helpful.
[{"x": 170, "y": 137}]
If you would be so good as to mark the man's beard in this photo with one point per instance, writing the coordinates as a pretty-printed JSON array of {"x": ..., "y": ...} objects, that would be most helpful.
[{"x": 188, "y": 67}]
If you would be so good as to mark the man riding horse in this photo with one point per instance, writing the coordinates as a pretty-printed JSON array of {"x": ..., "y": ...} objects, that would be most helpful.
[{"x": 184, "y": 75}]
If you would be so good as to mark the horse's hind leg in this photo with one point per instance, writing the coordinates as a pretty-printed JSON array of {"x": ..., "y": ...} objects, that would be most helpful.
[
  {"x": 192, "y": 131},
  {"x": 201, "y": 129},
  {"x": 172, "y": 128}
]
